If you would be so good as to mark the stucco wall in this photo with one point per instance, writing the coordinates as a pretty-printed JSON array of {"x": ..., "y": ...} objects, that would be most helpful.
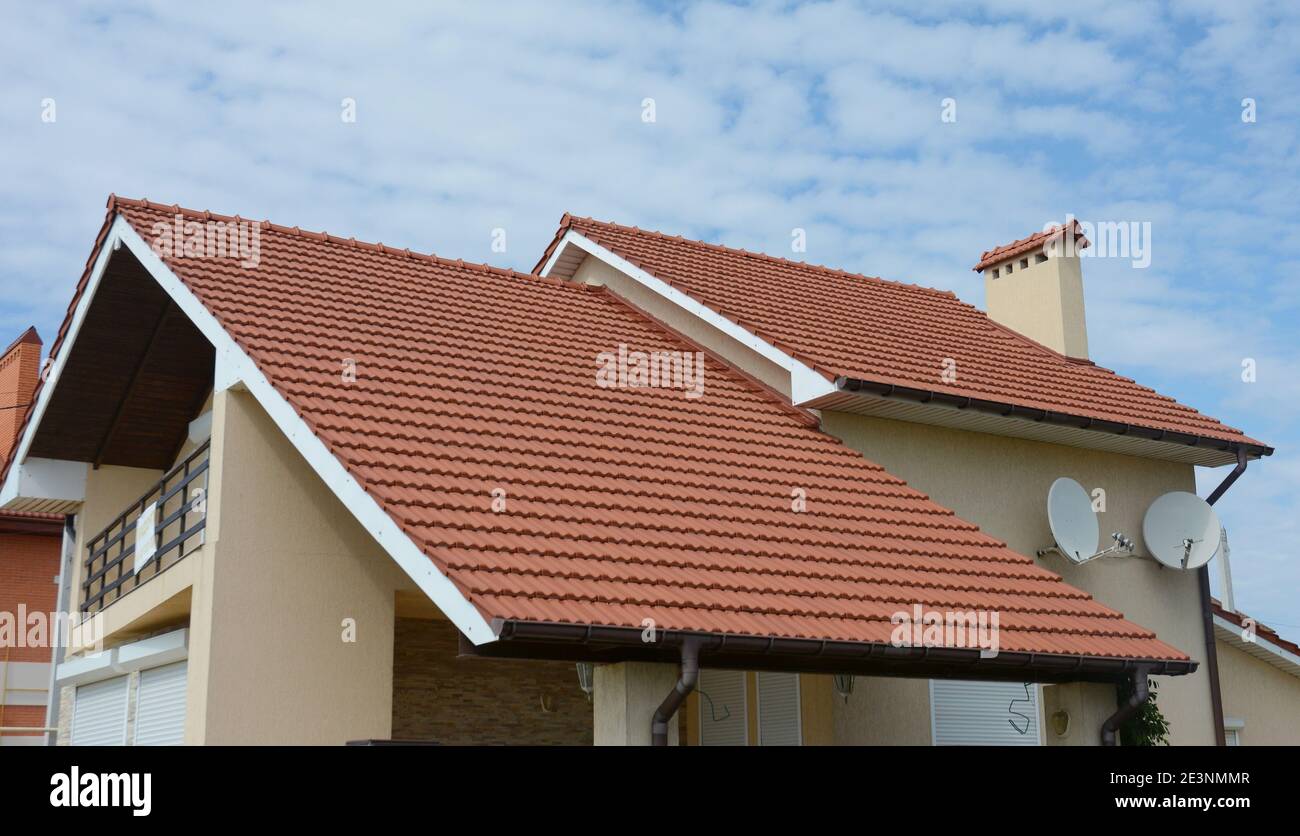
[
  {"x": 1001, "y": 484},
  {"x": 268, "y": 660},
  {"x": 1268, "y": 699}
]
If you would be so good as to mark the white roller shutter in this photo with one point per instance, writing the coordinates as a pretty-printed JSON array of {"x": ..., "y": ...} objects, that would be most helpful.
[
  {"x": 984, "y": 713},
  {"x": 160, "y": 706},
  {"x": 99, "y": 713},
  {"x": 722, "y": 708},
  {"x": 778, "y": 709}
]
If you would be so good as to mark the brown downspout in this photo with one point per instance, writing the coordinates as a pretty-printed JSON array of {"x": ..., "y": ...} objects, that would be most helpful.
[
  {"x": 1207, "y": 613},
  {"x": 1140, "y": 693},
  {"x": 685, "y": 684}
]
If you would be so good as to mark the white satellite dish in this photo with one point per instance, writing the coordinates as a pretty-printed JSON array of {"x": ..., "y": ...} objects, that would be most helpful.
[
  {"x": 1075, "y": 528},
  {"x": 1181, "y": 530},
  {"x": 1074, "y": 524}
]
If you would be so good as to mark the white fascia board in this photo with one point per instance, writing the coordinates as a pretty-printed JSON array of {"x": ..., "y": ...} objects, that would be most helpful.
[
  {"x": 152, "y": 652},
  {"x": 10, "y": 490},
  {"x": 1284, "y": 656},
  {"x": 234, "y": 368},
  {"x": 48, "y": 479},
  {"x": 805, "y": 383}
]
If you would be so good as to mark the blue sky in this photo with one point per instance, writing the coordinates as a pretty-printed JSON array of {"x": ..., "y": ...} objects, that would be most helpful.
[{"x": 823, "y": 116}]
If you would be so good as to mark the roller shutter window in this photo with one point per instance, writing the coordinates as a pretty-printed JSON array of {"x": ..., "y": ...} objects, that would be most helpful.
[
  {"x": 99, "y": 713},
  {"x": 778, "y": 709},
  {"x": 984, "y": 713},
  {"x": 160, "y": 706},
  {"x": 722, "y": 708}
]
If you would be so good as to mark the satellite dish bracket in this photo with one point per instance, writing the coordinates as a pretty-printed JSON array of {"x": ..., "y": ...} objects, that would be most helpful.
[{"x": 1120, "y": 544}]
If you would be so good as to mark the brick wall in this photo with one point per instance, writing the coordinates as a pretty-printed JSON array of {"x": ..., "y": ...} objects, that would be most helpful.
[
  {"x": 29, "y": 564},
  {"x": 19, "y": 368},
  {"x": 437, "y": 696}
]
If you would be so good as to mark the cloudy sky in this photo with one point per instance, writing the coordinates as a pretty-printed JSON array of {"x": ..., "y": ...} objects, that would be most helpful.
[{"x": 823, "y": 116}]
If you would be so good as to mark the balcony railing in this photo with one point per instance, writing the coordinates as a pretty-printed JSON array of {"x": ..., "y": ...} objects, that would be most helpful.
[{"x": 151, "y": 535}]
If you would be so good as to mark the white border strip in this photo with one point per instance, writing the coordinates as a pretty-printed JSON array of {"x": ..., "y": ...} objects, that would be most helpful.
[
  {"x": 1235, "y": 630},
  {"x": 805, "y": 384}
]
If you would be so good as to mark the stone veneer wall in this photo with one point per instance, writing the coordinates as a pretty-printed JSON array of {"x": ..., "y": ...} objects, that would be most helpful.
[{"x": 437, "y": 696}]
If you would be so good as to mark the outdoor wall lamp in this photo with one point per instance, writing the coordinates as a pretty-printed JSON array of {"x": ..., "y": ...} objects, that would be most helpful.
[{"x": 843, "y": 684}]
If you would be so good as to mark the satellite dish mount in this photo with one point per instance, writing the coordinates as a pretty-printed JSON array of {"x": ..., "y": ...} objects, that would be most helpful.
[{"x": 1075, "y": 530}]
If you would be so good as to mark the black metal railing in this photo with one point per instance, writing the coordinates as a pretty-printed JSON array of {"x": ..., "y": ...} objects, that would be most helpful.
[{"x": 179, "y": 502}]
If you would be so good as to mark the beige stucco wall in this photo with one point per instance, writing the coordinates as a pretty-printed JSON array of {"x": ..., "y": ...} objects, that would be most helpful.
[
  {"x": 268, "y": 663},
  {"x": 1266, "y": 698},
  {"x": 1001, "y": 484},
  {"x": 1043, "y": 301}
]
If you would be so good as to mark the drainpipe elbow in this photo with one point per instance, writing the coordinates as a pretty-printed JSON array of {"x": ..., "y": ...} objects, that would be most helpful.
[
  {"x": 690, "y": 675},
  {"x": 1141, "y": 692}
]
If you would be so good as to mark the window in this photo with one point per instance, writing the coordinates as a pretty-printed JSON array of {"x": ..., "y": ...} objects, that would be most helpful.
[
  {"x": 1232, "y": 727},
  {"x": 723, "y": 721},
  {"x": 1040, "y": 258},
  {"x": 99, "y": 713},
  {"x": 778, "y": 709},
  {"x": 984, "y": 713},
  {"x": 160, "y": 706},
  {"x": 996, "y": 272},
  {"x": 727, "y": 700},
  {"x": 1024, "y": 264},
  {"x": 1010, "y": 268}
]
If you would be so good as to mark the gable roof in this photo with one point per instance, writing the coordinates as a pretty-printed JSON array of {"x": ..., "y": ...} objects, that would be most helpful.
[
  {"x": 621, "y": 504},
  {"x": 866, "y": 332}
]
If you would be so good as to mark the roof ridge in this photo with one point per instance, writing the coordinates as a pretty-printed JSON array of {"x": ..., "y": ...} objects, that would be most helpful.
[
  {"x": 114, "y": 201},
  {"x": 762, "y": 256},
  {"x": 29, "y": 336}
]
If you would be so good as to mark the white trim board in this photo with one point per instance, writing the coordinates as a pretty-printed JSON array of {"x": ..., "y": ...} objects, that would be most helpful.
[
  {"x": 805, "y": 383},
  {"x": 235, "y": 367},
  {"x": 1261, "y": 648}
]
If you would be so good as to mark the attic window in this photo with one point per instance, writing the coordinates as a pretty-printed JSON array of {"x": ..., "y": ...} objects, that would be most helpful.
[
  {"x": 1010, "y": 268},
  {"x": 1040, "y": 258},
  {"x": 1024, "y": 264},
  {"x": 995, "y": 272}
]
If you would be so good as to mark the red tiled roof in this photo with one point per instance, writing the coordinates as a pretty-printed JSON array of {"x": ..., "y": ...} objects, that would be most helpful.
[
  {"x": 622, "y": 504},
  {"x": 1034, "y": 242},
  {"x": 848, "y": 325}
]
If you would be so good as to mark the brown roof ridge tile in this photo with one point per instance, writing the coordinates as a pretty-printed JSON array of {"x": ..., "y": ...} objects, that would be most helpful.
[
  {"x": 114, "y": 201},
  {"x": 1029, "y": 243},
  {"x": 762, "y": 256}
]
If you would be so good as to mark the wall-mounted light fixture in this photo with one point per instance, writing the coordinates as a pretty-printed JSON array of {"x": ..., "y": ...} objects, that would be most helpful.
[
  {"x": 1061, "y": 723},
  {"x": 843, "y": 684}
]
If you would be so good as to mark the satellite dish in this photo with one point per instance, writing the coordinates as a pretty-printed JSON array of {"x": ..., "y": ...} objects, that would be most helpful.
[
  {"x": 1181, "y": 530},
  {"x": 1074, "y": 524}
]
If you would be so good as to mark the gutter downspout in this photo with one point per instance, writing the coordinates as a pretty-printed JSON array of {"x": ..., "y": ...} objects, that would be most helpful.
[
  {"x": 1140, "y": 694},
  {"x": 685, "y": 685},
  {"x": 1207, "y": 612}
]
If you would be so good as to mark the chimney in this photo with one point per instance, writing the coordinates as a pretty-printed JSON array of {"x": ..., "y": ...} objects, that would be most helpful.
[
  {"x": 1035, "y": 286},
  {"x": 20, "y": 368}
]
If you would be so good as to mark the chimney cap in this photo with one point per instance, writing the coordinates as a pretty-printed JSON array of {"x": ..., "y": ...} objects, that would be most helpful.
[
  {"x": 1037, "y": 241},
  {"x": 30, "y": 337}
]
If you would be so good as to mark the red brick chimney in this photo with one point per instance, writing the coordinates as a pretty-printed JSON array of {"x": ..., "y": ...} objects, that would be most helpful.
[{"x": 20, "y": 369}]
